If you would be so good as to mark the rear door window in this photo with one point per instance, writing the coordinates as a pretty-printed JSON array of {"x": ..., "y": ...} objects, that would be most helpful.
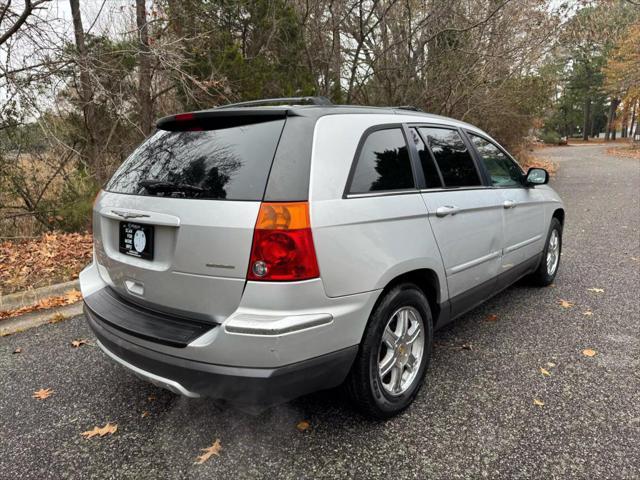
[
  {"x": 225, "y": 164},
  {"x": 383, "y": 163},
  {"x": 431, "y": 176},
  {"x": 452, "y": 157},
  {"x": 503, "y": 171}
]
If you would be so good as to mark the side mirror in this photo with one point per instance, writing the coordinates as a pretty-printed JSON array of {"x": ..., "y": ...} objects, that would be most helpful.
[{"x": 537, "y": 176}]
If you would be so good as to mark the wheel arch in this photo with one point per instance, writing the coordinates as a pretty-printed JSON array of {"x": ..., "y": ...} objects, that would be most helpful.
[
  {"x": 559, "y": 214},
  {"x": 427, "y": 280}
]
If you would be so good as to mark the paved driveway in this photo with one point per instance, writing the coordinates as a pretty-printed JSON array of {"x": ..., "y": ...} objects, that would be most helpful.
[{"x": 474, "y": 418}]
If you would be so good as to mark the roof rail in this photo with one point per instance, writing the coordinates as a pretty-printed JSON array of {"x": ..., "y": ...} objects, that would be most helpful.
[
  {"x": 282, "y": 101},
  {"x": 409, "y": 107}
]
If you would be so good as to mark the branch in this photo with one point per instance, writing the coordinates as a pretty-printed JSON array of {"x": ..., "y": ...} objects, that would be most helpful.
[{"x": 29, "y": 7}]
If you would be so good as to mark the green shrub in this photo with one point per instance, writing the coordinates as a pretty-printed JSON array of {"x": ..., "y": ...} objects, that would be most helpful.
[
  {"x": 550, "y": 137},
  {"x": 71, "y": 211}
]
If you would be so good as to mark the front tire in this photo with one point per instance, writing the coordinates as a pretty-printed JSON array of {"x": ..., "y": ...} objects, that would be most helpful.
[
  {"x": 550, "y": 262},
  {"x": 394, "y": 353}
]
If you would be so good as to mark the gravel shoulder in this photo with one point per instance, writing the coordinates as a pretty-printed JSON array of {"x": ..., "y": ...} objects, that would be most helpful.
[{"x": 474, "y": 418}]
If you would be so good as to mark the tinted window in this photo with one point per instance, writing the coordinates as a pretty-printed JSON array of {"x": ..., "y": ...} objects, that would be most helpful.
[
  {"x": 453, "y": 158},
  {"x": 231, "y": 163},
  {"x": 503, "y": 171},
  {"x": 429, "y": 169},
  {"x": 383, "y": 163}
]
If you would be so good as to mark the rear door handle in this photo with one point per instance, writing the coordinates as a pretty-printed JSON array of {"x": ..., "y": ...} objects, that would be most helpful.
[
  {"x": 509, "y": 204},
  {"x": 446, "y": 210}
]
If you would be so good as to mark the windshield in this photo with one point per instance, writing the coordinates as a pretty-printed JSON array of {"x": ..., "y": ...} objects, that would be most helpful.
[{"x": 225, "y": 164}]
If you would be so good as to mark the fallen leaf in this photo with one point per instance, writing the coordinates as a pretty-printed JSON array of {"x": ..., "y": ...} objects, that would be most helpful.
[
  {"x": 303, "y": 426},
  {"x": 17, "y": 350},
  {"x": 551, "y": 364},
  {"x": 144, "y": 414},
  {"x": 109, "y": 428},
  {"x": 551, "y": 285},
  {"x": 151, "y": 398},
  {"x": 545, "y": 372},
  {"x": 466, "y": 346},
  {"x": 587, "y": 352},
  {"x": 635, "y": 259},
  {"x": 596, "y": 290},
  {"x": 209, "y": 451},
  {"x": 79, "y": 342},
  {"x": 73, "y": 296},
  {"x": 587, "y": 313},
  {"x": 565, "y": 304},
  {"x": 492, "y": 317},
  {"x": 58, "y": 317},
  {"x": 42, "y": 393},
  {"x": 538, "y": 403}
]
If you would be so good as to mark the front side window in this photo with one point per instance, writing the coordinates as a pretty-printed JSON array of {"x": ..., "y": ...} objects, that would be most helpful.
[
  {"x": 452, "y": 156},
  {"x": 503, "y": 171},
  {"x": 383, "y": 163}
]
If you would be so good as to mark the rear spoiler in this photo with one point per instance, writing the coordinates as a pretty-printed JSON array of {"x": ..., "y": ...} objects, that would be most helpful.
[{"x": 219, "y": 119}]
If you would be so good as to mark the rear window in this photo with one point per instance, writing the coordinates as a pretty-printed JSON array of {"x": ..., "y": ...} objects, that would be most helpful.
[
  {"x": 226, "y": 164},
  {"x": 383, "y": 163},
  {"x": 453, "y": 158}
]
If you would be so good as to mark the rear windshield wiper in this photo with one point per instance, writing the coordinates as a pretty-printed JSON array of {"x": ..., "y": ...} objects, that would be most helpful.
[{"x": 161, "y": 186}]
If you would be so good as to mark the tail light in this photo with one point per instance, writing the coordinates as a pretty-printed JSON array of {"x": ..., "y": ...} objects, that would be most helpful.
[{"x": 282, "y": 247}]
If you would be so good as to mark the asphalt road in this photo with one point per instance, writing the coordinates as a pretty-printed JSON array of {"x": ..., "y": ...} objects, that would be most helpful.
[{"x": 475, "y": 418}]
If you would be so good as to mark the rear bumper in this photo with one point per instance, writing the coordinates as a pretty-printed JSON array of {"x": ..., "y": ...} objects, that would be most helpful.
[{"x": 238, "y": 385}]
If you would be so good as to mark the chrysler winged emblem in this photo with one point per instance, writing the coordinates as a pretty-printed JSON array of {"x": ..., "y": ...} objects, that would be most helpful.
[{"x": 128, "y": 215}]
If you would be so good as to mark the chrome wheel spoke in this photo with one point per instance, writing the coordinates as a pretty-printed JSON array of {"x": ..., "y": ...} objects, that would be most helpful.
[
  {"x": 396, "y": 379},
  {"x": 387, "y": 363},
  {"x": 390, "y": 338},
  {"x": 412, "y": 336},
  {"x": 412, "y": 362},
  {"x": 403, "y": 323}
]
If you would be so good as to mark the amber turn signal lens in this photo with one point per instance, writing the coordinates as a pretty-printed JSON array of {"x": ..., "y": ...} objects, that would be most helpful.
[{"x": 283, "y": 216}]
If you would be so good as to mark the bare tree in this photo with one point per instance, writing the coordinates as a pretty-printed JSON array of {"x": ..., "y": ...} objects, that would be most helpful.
[
  {"x": 16, "y": 19},
  {"x": 86, "y": 92},
  {"x": 144, "y": 69}
]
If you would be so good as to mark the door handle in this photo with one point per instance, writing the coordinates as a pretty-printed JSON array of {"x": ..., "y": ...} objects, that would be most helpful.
[
  {"x": 509, "y": 204},
  {"x": 446, "y": 210}
]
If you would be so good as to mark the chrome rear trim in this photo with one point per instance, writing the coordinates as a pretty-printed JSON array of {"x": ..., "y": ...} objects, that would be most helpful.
[
  {"x": 247, "y": 324},
  {"x": 161, "y": 382}
]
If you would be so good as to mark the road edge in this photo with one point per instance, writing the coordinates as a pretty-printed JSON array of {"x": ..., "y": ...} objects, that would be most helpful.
[{"x": 30, "y": 320}]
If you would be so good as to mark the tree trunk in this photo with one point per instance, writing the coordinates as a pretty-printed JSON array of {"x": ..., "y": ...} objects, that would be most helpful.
[
  {"x": 86, "y": 95},
  {"x": 335, "y": 67},
  {"x": 611, "y": 123},
  {"x": 633, "y": 119},
  {"x": 587, "y": 119},
  {"x": 144, "y": 69}
]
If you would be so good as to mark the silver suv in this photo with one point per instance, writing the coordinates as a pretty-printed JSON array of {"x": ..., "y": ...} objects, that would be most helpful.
[{"x": 256, "y": 253}]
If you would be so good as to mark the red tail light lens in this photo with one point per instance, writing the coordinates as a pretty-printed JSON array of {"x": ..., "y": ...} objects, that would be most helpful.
[{"x": 282, "y": 244}]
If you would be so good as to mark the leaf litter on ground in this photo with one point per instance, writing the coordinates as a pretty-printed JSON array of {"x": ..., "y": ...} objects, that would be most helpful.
[
  {"x": 208, "y": 452},
  {"x": 48, "y": 259},
  {"x": 42, "y": 394},
  {"x": 108, "y": 429},
  {"x": 565, "y": 303},
  {"x": 72, "y": 296},
  {"x": 303, "y": 425}
]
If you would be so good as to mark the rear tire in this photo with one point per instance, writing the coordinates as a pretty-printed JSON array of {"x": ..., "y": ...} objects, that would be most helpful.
[
  {"x": 394, "y": 353},
  {"x": 550, "y": 262}
]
